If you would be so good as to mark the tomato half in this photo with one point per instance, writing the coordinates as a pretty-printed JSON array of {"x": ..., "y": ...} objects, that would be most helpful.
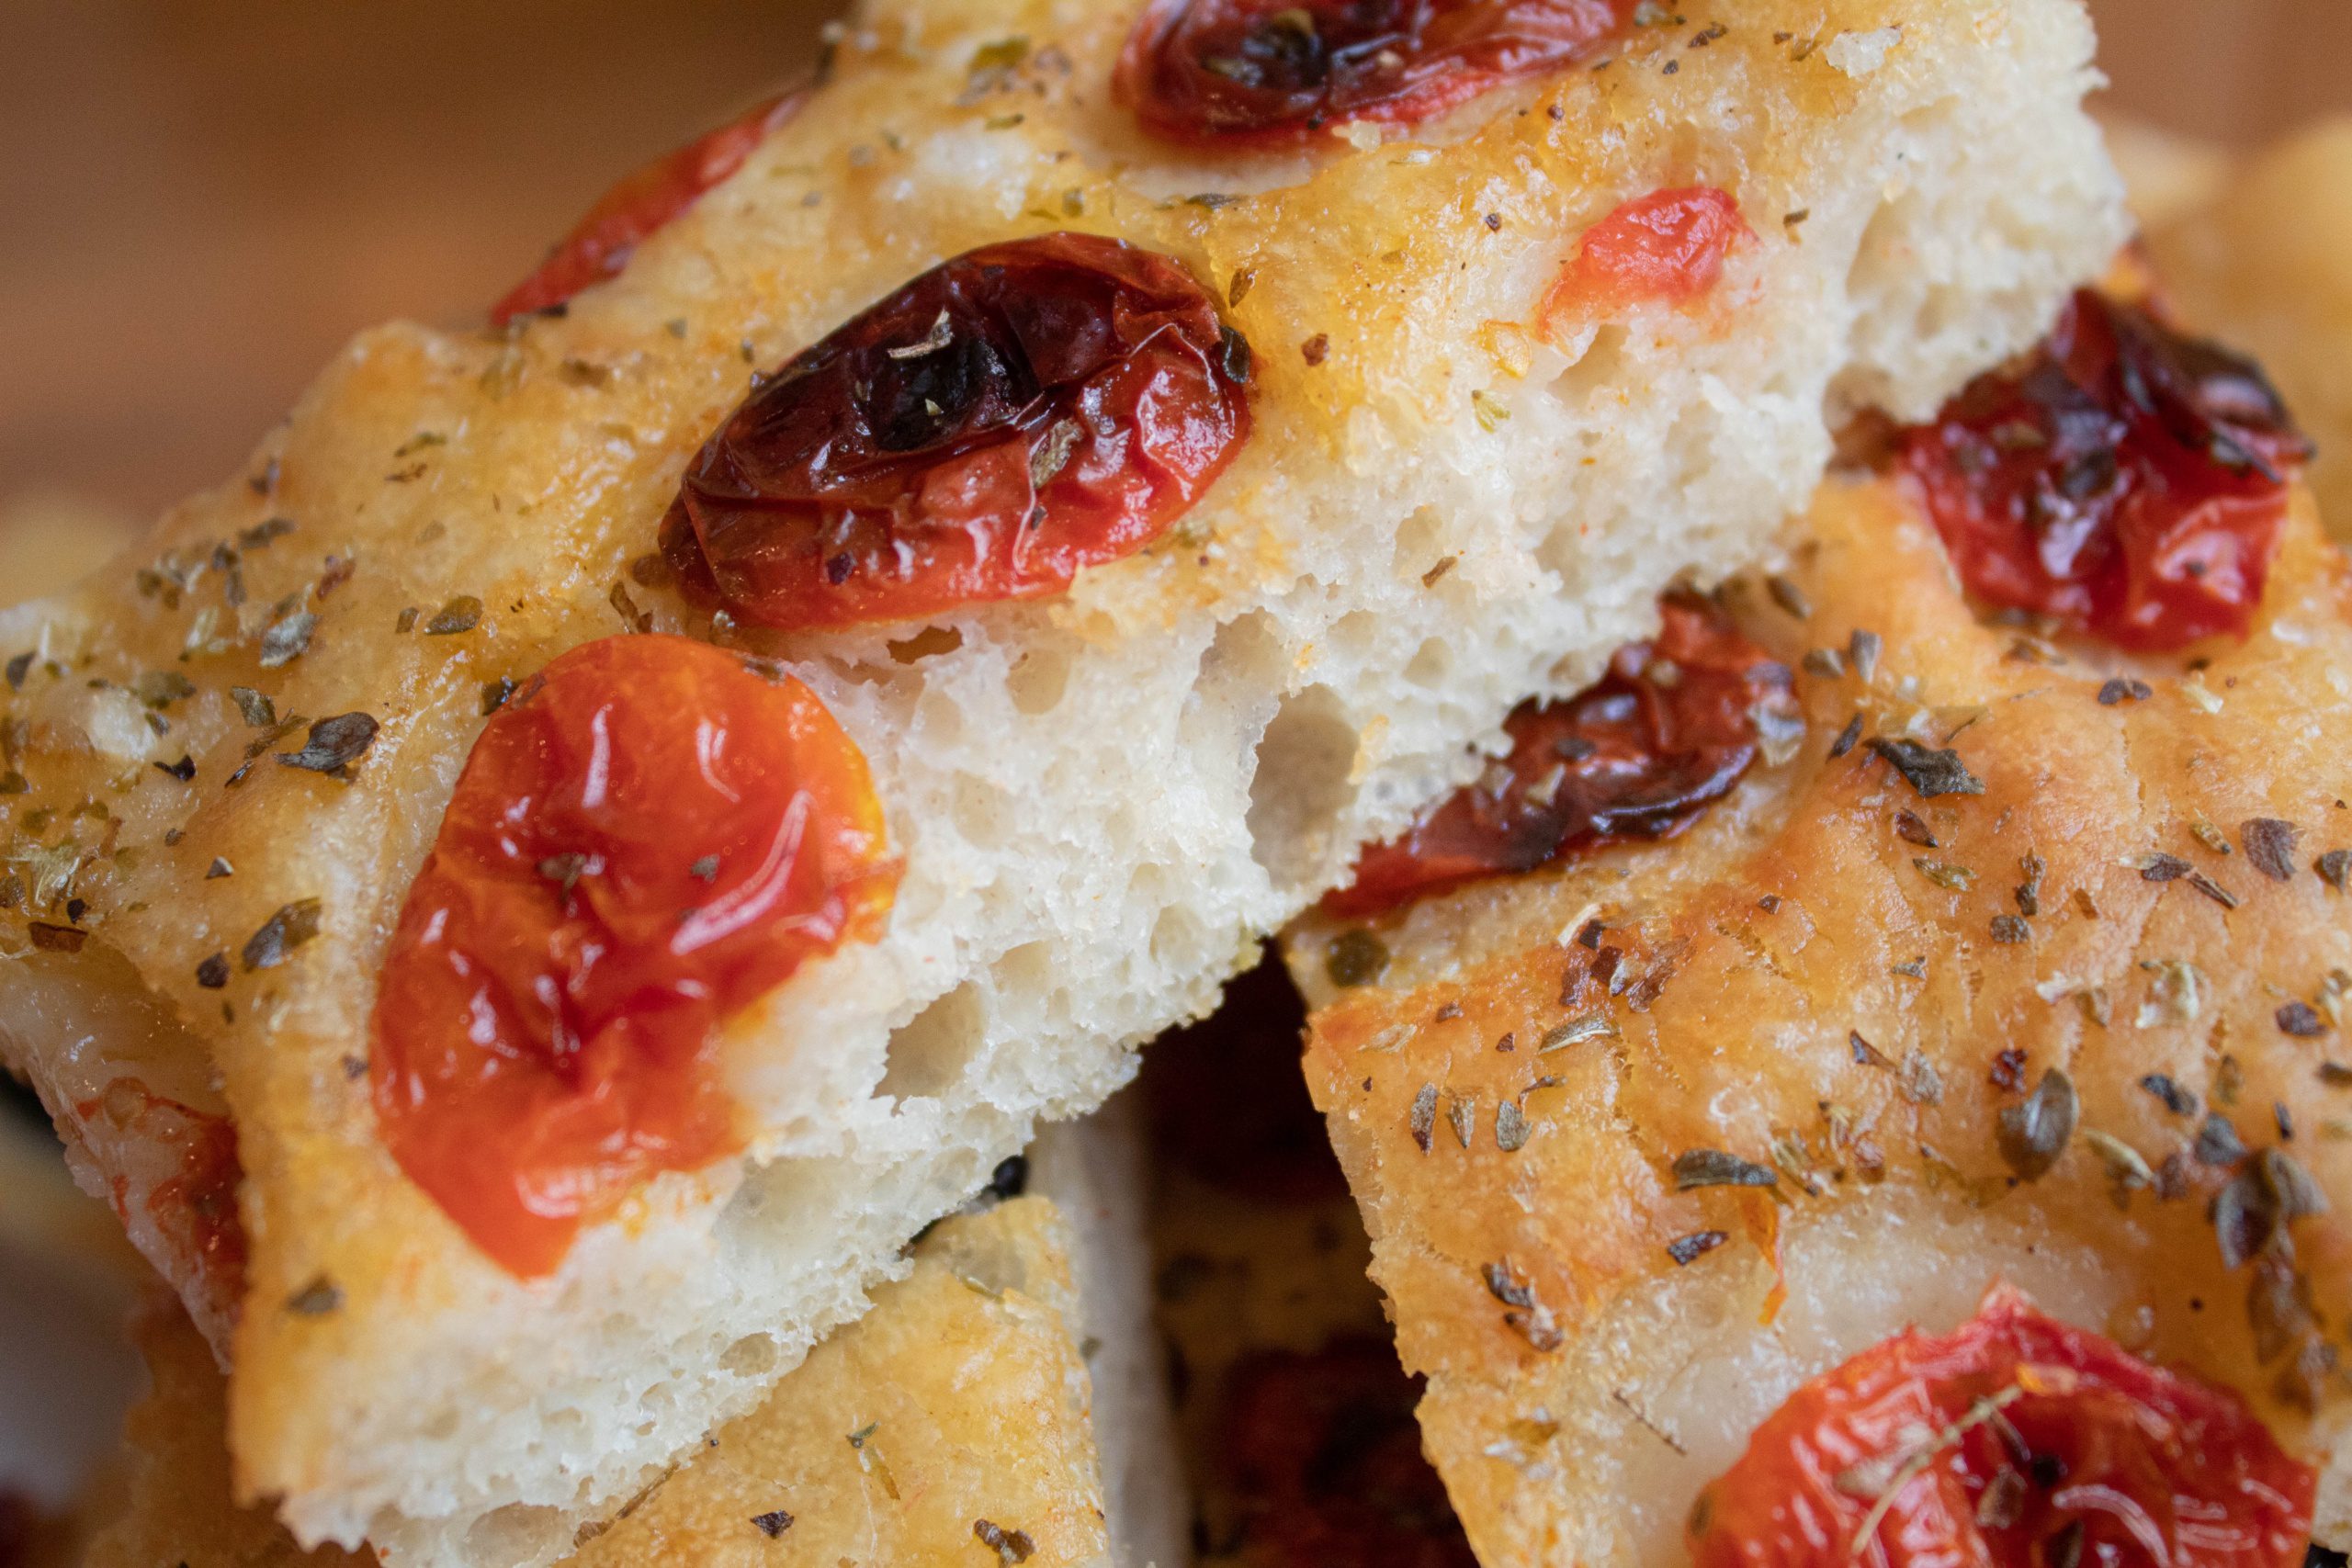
[
  {"x": 1009, "y": 418},
  {"x": 1638, "y": 754},
  {"x": 646, "y": 839},
  {"x": 641, "y": 205},
  {"x": 1265, "y": 70},
  {"x": 2013, "y": 1440},
  {"x": 2127, "y": 480}
]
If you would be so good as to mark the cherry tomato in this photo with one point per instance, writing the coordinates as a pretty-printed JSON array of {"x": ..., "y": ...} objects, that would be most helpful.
[
  {"x": 1325, "y": 1462},
  {"x": 639, "y": 206},
  {"x": 1666, "y": 248},
  {"x": 2126, "y": 480},
  {"x": 2013, "y": 1440},
  {"x": 194, "y": 1207},
  {"x": 1010, "y": 417},
  {"x": 1264, "y": 71},
  {"x": 646, "y": 839},
  {"x": 1638, "y": 754}
]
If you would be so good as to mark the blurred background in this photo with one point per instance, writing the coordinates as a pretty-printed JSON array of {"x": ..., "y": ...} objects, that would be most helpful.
[{"x": 200, "y": 199}]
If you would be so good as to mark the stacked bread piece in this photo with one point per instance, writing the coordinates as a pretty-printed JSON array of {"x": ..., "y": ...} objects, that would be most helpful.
[{"x": 530, "y": 897}]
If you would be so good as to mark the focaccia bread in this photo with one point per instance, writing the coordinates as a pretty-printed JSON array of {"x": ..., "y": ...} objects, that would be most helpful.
[
  {"x": 955, "y": 1411},
  {"x": 2027, "y": 965},
  {"x": 1452, "y": 400}
]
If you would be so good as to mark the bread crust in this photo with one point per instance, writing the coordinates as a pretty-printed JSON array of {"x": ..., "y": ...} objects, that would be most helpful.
[{"x": 1852, "y": 986}]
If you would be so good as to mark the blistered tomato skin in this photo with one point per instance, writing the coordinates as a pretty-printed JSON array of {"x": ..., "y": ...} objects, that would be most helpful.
[
  {"x": 1664, "y": 248},
  {"x": 1260, "y": 71},
  {"x": 1638, "y": 754},
  {"x": 631, "y": 212},
  {"x": 2128, "y": 481},
  {"x": 1009, "y": 418},
  {"x": 646, "y": 839},
  {"x": 2073, "y": 1451}
]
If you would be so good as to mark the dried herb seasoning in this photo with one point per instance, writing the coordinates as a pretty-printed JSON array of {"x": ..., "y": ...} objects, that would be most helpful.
[
  {"x": 2334, "y": 868},
  {"x": 2270, "y": 846},
  {"x": 1687, "y": 1249},
  {"x": 2254, "y": 1211},
  {"x": 1511, "y": 1128},
  {"x": 333, "y": 744},
  {"x": 773, "y": 1523},
  {"x": 2176, "y": 1099},
  {"x": 1010, "y": 1546},
  {"x": 287, "y": 638},
  {"x": 2301, "y": 1019},
  {"x": 1696, "y": 1168},
  {"x": 2033, "y": 1132},
  {"x": 1847, "y": 738},
  {"x": 255, "y": 707},
  {"x": 1423, "y": 1121},
  {"x": 462, "y": 613},
  {"x": 1927, "y": 770},
  {"x": 2011, "y": 929},
  {"x": 1356, "y": 957},
  {"x": 293, "y": 925},
  {"x": 2218, "y": 1142},
  {"x": 317, "y": 1299},
  {"x": 213, "y": 973}
]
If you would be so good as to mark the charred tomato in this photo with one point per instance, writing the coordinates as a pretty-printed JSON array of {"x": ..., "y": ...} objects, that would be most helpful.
[
  {"x": 1014, "y": 415},
  {"x": 1638, "y": 754},
  {"x": 638, "y": 206},
  {"x": 1667, "y": 247},
  {"x": 1263, "y": 71},
  {"x": 2014, "y": 1439},
  {"x": 2126, "y": 480},
  {"x": 647, "y": 838}
]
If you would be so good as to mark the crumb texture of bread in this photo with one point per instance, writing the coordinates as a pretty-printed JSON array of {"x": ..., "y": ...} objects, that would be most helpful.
[
  {"x": 1854, "y": 989},
  {"x": 1103, "y": 799},
  {"x": 959, "y": 1400}
]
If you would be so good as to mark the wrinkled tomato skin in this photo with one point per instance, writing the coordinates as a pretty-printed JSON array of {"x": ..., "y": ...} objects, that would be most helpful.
[
  {"x": 1664, "y": 248},
  {"x": 1009, "y": 418},
  {"x": 645, "y": 839},
  {"x": 2158, "y": 1469},
  {"x": 1263, "y": 72},
  {"x": 2128, "y": 481},
  {"x": 1629, "y": 757},
  {"x": 1326, "y": 1460},
  {"x": 641, "y": 205}
]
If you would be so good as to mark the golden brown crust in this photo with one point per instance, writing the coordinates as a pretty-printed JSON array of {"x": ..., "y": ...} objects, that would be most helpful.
[
  {"x": 961, "y": 1398},
  {"x": 1823, "y": 980}
]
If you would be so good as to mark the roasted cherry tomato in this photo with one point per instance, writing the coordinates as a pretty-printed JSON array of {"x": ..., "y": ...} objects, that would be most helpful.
[
  {"x": 1665, "y": 248},
  {"x": 1011, "y": 416},
  {"x": 650, "y": 835},
  {"x": 638, "y": 206},
  {"x": 2127, "y": 480},
  {"x": 1260, "y": 69},
  {"x": 1327, "y": 1465},
  {"x": 193, "y": 1204},
  {"x": 1638, "y": 754},
  {"x": 2014, "y": 1441}
]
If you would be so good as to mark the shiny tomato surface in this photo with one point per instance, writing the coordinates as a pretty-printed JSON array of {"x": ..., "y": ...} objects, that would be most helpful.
[
  {"x": 1664, "y": 248},
  {"x": 1010, "y": 417},
  {"x": 1638, "y": 754},
  {"x": 638, "y": 206},
  {"x": 2127, "y": 480},
  {"x": 1263, "y": 71},
  {"x": 648, "y": 837},
  {"x": 2087, "y": 1456},
  {"x": 1325, "y": 1462}
]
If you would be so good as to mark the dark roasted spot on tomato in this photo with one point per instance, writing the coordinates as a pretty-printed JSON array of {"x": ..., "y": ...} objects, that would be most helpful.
[
  {"x": 637, "y": 208},
  {"x": 1665, "y": 248},
  {"x": 2125, "y": 480},
  {"x": 1264, "y": 71},
  {"x": 1638, "y": 754},
  {"x": 2014, "y": 1440},
  {"x": 1009, "y": 418},
  {"x": 648, "y": 837},
  {"x": 1326, "y": 1466}
]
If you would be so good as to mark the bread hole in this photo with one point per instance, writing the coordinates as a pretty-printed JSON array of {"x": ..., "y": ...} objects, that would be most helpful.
[
  {"x": 1420, "y": 545},
  {"x": 1596, "y": 369},
  {"x": 1430, "y": 664},
  {"x": 928, "y": 643},
  {"x": 939, "y": 719},
  {"x": 1026, "y": 970},
  {"x": 753, "y": 1355},
  {"x": 1038, "y": 682},
  {"x": 1885, "y": 260},
  {"x": 1356, "y": 634},
  {"x": 517, "y": 1532},
  {"x": 928, "y": 1052},
  {"x": 1245, "y": 652},
  {"x": 983, "y": 814},
  {"x": 1176, "y": 939},
  {"x": 1304, "y": 778}
]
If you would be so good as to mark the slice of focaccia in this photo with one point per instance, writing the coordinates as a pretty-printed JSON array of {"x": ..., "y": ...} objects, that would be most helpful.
[
  {"x": 2025, "y": 967},
  {"x": 1083, "y": 473},
  {"x": 949, "y": 1424}
]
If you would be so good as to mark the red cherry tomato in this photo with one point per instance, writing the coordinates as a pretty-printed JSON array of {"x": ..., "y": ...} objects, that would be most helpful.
[
  {"x": 2088, "y": 1455},
  {"x": 647, "y": 838},
  {"x": 638, "y": 206},
  {"x": 1638, "y": 754},
  {"x": 1666, "y": 248},
  {"x": 194, "y": 1208},
  {"x": 1010, "y": 417},
  {"x": 1265, "y": 70},
  {"x": 1325, "y": 1461},
  {"x": 2127, "y": 480}
]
